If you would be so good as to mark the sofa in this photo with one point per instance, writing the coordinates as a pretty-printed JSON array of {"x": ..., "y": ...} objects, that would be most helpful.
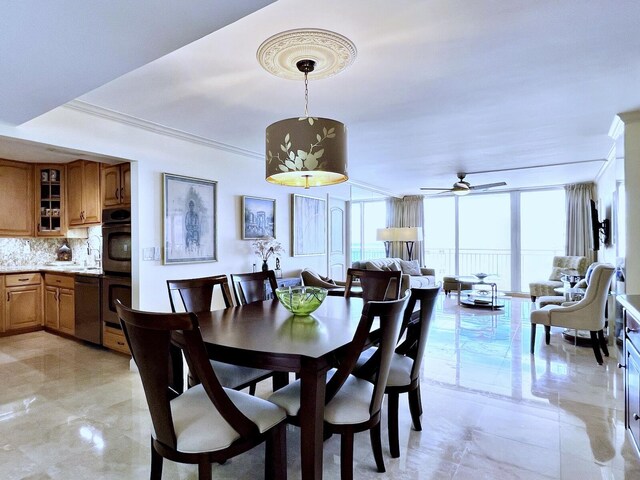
[
  {"x": 562, "y": 265},
  {"x": 417, "y": 277}
]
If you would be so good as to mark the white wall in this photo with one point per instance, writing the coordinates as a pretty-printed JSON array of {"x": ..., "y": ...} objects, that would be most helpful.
[{"x": 152, "y": 154}]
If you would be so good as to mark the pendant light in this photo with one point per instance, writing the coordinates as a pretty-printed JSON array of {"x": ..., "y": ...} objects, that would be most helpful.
[{"x": 306, "y": 151}]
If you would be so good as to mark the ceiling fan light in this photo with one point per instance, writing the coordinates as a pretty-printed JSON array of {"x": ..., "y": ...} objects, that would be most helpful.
[{"x": 461, "y": 191}]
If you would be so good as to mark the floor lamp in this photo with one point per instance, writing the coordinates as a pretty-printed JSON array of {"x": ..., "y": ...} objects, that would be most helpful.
[{"x": 408, "y": 235}]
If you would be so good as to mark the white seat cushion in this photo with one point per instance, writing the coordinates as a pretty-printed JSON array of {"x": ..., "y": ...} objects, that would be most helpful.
[
  {"x": 199, "y": 426},
  {"x": 349, "y": 406},
  {"x": 541, "y": 316},
  {"x": 233, "y": 375},
  {"x": 400, "y": 371}
]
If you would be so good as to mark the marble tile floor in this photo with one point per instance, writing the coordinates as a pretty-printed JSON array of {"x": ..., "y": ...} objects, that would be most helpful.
[{"x": 491, "y": 411}]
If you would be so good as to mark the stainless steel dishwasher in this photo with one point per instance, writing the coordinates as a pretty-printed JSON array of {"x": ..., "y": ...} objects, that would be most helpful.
[{"x": 87, "y": 304}]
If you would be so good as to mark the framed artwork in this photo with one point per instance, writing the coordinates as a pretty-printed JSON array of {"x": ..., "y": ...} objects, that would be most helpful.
[
  {"x": 258, "y": 217},
  {"x": 189, "y": 220},
  {"x": 309, "y": 229}
]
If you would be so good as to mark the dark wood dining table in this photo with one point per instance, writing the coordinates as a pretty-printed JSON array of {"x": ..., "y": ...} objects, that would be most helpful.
[{"x": 266, "y": 335}]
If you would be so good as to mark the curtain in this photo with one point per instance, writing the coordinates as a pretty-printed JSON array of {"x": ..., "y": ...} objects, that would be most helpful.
[
  {"x": 406, "y": 212},
  {"x": 579, "y": 233}
]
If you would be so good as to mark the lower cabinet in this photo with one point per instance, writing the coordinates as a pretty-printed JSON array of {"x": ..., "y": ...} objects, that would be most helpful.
[
  {"x": 23, "y": 301},
  {"x": 113, "y": 338},
  {"x": 632, "y": 375},
  {"x": 59, "y": 303}
]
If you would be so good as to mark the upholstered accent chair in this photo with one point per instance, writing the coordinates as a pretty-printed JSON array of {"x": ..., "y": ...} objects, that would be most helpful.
[
  {"x": 450, "y": 284},
  {"x": 311, "y": 278},
  {"x": 206, "y": 423},
  {"x": 574, "y": 265},
  {"x": 586, "y": 314}
]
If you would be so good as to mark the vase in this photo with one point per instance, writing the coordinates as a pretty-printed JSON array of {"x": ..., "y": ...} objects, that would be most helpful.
[{"x": 265, "y": 266}]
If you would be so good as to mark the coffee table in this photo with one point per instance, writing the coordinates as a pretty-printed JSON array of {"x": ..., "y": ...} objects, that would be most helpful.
[{"x": 484, "y": 294}]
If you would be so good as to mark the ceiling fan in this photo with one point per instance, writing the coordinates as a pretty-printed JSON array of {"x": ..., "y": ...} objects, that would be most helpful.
[{"x": 462, "y": 187}]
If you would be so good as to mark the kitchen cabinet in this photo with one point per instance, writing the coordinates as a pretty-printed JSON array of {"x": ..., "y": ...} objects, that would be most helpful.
[
  {"x": 22, "y": 301},
  {"x": 59, "y": 303},
  {"x": 116, "y": 185},
  {"x": 631, "y": 365},
  {"x": 83, "y": 194},
  {"x": 49, "y": 181},
  {"x": 113, "y": 338},
  {"x": 16, "y": 185}
]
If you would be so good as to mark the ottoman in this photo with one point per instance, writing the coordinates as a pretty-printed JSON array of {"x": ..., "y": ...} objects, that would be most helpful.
[{"x": 450, "y": 284}]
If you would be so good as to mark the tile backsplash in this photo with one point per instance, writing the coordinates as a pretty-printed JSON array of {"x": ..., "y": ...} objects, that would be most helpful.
[{"x": 38, "y": 251}]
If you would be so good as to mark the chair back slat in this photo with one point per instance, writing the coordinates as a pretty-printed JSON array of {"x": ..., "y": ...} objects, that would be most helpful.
[
  {"x": 376, "y": 285},
  {"x": 390, "y": 320},
  {"x": 197, "y": 293},
  {"x": 250, "y": 287},
  {"x": 415, "y": 341},
  {"x": 149, "y": 337}
]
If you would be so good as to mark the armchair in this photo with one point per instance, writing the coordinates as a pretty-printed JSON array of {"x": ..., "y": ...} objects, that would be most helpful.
[
  {"x": 311, "y": 278},
  {"x": 587, "y": 314},
  {"x": 561, "y": 265}
]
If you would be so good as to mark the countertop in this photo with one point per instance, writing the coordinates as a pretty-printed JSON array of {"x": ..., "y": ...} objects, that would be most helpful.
[
  {"x": 631, "y": 303},
  {"x": 72, "y": 269}
]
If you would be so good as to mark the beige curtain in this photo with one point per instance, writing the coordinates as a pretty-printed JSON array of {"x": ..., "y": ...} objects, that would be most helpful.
[
  {"x": 406, "y": 212},
  {"x": 579, "y": 235}
]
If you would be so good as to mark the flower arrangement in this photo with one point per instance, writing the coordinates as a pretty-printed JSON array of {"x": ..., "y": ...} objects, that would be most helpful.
[{"x": 267, "y": 246}]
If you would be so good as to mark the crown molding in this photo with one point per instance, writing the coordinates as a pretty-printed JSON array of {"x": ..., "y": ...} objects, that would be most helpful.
[
  {"x": 630, "y": 117},
  {"x": 617, "y": 127},
  {"x": 373, "y": 188},
  {"x": 125, "y": 119}
]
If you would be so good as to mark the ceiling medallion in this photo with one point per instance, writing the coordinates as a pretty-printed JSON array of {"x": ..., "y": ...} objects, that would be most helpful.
[{"x": 331, "y": 52}]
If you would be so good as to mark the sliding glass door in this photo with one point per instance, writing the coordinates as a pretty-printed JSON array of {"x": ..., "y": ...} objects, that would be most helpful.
[{"x": 512, "y": 235}]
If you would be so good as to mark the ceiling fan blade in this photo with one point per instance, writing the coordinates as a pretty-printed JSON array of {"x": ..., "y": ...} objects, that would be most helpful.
[
  {"x": 433, "y": 188},
  {"x": 487, "y": 185}
]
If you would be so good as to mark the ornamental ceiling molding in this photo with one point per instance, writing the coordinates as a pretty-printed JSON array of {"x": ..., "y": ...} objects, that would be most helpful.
[{"x": 330, "y": 51}]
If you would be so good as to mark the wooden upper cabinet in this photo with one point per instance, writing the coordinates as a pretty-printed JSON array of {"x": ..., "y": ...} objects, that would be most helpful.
[
  {"x": 50, "y": 204},
  {"x": 16, "y": 194},
  {"x": 83, "y": 194},
  {"x": 116, "y": 185}
]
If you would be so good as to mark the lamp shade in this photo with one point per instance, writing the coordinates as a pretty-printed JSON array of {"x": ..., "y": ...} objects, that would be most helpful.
[
  {"x": 385, "y": 234},
  {"x": 399, "y": 234},
  {"x": 306, "y": 152}
]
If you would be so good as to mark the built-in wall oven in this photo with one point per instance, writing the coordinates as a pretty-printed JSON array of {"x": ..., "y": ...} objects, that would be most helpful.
[
  {"x": 116, "y": 241},
  {"x": 116, "y": 262}
]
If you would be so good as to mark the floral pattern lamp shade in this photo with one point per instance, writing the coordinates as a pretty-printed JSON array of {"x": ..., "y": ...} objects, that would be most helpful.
[{"x": 306, "y": 152}]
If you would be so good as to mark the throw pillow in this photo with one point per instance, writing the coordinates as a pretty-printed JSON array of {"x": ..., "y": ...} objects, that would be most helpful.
[
  {"x": 556, "y": 273},
  {"x": 372, "y": 266},
  {"x": 410, "y": 267}
]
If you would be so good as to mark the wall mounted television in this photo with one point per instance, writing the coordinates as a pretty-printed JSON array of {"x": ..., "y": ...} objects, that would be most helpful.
[{"x": 600, "y": 231}]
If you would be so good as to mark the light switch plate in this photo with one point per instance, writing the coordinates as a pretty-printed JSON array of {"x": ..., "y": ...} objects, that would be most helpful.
[
  {"x": 147, "y": 254},
  {"x": 156, "y": 253}
]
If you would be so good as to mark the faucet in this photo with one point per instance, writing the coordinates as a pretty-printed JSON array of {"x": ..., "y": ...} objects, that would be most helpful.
[{"x": 96, "y": 250}]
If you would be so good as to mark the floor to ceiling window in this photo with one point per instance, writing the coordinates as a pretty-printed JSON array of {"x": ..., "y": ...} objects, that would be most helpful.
[
  {"x": 542, "y": 233},
  {"x": 512, "y": 235},
  {"x": 484, "y": 239},
  {"x": 366, "y": 218}
]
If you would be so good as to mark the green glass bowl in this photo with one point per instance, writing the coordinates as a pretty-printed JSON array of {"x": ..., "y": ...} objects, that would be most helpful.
[{"x": 301, "y": 300}]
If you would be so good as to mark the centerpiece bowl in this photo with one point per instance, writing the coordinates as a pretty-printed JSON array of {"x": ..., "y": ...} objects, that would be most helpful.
[
  {"x": 481, "y": 276},
  {"x": 301, "y": 300}
]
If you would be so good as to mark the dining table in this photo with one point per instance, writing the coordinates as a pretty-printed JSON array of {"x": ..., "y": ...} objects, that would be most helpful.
[{"x": 266, "y": 335}]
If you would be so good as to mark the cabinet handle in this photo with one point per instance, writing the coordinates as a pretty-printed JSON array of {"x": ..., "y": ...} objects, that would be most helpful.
[
  {"x": 23, "y": 279},
  {"x": 621, "y": 366},
  {"x": 38, "y": 227},
  {"x": 629, "y": 330},
  {"x": 121, "y": 193},
  {"x": 636, "y": 416},
  {"x": 8, "y": 296},
  {"x": 117, "y": 194},
  {"x": 122, "y": 345}
]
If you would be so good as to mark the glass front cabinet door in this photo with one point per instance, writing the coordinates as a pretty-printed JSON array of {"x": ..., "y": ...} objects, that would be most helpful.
[{"x": 50, "y": 205}]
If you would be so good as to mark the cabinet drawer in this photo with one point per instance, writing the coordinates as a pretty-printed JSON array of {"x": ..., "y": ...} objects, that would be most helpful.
[
  {"x": 62, "y": 281},
  {"x": 632, "y": 330},
  {"x": 19, "y": 279},
  {"x": 114, "y": 339}
]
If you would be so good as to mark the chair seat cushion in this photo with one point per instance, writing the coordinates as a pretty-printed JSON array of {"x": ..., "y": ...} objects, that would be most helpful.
[
  {"x": 232, "y": 376},
  {"x": 199, "y": 426},
  {"x": 542, "y": 315},
  {"x": 551, "y": 300},
  {"x": 349, "y": 406},
  {"x": 400, "y": 371}
]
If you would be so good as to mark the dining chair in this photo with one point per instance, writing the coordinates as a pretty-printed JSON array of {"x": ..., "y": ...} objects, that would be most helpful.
[
  {"x": 353, "y": 404},
  {"x": 207, "y": 423},
  {"x": 375, "y": 284},
  {"x": 406, "y": 362},
  {"x": 250, "y": 287},
  {"x": 196, "y": 295}
]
